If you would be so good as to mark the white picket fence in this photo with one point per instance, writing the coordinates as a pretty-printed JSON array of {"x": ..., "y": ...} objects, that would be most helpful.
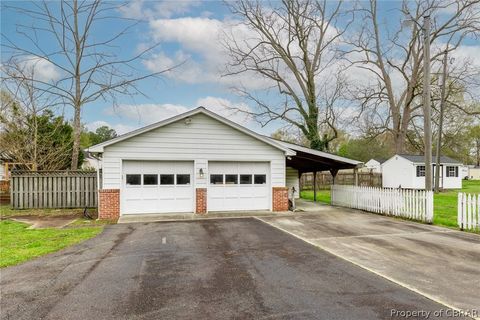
[
  {"x": 411, "y": 204},
  {"x": 468, "y": 212}
]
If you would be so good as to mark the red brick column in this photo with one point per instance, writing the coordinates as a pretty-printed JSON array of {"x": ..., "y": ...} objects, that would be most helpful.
[
  {"x": 108, "y": 204},
  {"x": 201, "y": 200},
  {"x": 279, "y": 199}
]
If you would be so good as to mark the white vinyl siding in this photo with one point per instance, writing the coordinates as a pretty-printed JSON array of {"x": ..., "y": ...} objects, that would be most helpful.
[
  {"x": 398, "y": 171},
  {"x": 293, "y": 181},
  {"x": 204, "y": 139}
]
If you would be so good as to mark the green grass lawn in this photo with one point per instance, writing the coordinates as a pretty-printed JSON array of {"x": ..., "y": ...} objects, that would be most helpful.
[
  {"x": 322, "y": 195},
  {"x": 444, "y": 203},
  {"x": 18, "y": 244}
]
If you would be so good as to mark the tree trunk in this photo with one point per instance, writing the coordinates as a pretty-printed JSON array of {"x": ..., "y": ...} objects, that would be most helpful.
[
  {"x": 478, "y": 152},
  {"x": 400, "y": 137},
  {"x": 77, "y": 130}
]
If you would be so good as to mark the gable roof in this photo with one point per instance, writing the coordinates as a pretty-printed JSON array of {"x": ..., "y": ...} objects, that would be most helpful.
[
  {"x": 200, "y": 110},
  {"x": 421, "y": 158}
]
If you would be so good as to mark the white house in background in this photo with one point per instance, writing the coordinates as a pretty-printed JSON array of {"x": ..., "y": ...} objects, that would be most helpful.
[
  {"x": 474, "y": 173},
  {"x": 373, "y": 165},
  {"x": 198, "y": 162},
  {"x": 408, "y": 171},
  {"x": 90, "y": 162}
]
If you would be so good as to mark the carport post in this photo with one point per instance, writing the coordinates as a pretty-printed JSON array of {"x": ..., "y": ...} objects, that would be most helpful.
[
  {"x": 333, "y": 172},
  {"x": 355, "y": 172},
  {"x": 314, "y": 186}
]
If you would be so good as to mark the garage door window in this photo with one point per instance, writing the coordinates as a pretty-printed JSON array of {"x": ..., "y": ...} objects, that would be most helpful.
[
  {"x": 183, "y": 179},
  {"x": 231, "y": 179},
  {"x": 134, "y": 179},
  {"x": 260, "y": 179},
  {"x": 245, "y": 179},
  {"x": 216, "y": 179},
  {"x": 167, "y": 179},
  {"x": 150, "y": 179}
]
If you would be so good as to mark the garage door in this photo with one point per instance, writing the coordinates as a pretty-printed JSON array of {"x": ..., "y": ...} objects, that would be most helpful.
[
  {"x": 238, "y": 186},
  {"x": 157, "y": 187}
]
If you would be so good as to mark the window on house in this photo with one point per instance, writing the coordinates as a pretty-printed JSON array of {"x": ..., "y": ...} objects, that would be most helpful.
[
  {"x": 245, "y": 179},
  {"x": 452, "y": 171},
  {"x": 216, "y": 179},
  {"x": 183, "y": 179},
  {"x": 134, "y": 179},
  {"x": 231, "y": 179},
  {"x": 420, "y": 171},
  {"x": 150, "y": 179},
  {"x": 167, "y": 179},
  {"x": 260, "y": 179}
]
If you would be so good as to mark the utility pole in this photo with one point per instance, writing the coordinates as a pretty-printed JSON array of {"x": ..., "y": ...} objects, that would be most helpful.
[
  {"x": 427, "y": 112},
  {"x": 440, "y": 122}
]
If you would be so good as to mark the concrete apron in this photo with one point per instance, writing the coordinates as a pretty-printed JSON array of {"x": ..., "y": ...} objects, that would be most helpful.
[
  {"x": 302, "y": 206},
  {"x": 46, "y": 222},
  {"x": 438, "y": 263},
  {"x": 158, "y": 217}
]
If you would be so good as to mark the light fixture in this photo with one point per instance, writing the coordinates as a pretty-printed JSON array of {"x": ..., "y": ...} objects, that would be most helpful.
[
  {"x": 200, "y": 172},
  {"x": 188, "y": 121}
]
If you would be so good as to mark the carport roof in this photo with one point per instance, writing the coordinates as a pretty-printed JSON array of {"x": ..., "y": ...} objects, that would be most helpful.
[{"x": 309, "y": 160}]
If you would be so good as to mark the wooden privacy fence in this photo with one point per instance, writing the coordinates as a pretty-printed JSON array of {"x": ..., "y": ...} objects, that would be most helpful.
[
  {"x": 468, "y": 212},
  {"x": 53, "y": 189},
  {"x": 325, "y": 180},
  {"x": 411, "y": 204}
]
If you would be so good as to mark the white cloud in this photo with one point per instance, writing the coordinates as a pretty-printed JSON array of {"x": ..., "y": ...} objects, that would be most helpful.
[
  {"x": 140, "y": 9},
  {"x": 144, "y": 114},
  {"x": 201, "y": 50},
  {"x": 119, "y": 128},
  {"x": 41, "y": 69}
]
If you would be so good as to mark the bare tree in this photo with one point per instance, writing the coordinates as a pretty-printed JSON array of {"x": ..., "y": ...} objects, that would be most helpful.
[
  {"x": 67, "y": 35},
  {"x": 30, "y": 143},
  {"x": 292, "y": 46},
  {"x": 394, "y": 58}
]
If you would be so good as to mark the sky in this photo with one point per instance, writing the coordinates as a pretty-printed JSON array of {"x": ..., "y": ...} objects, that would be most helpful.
[{"x": 188, "y": 33}]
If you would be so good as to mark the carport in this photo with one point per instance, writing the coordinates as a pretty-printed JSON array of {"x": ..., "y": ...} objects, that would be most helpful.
[{"x": 313, "y": 161}]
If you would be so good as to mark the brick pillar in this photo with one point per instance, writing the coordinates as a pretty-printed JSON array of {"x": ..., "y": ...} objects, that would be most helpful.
[
  {"x": 279, "y": 199},
  {"x": 201, "y": 200},
  {"x": 108, "y": 204}
]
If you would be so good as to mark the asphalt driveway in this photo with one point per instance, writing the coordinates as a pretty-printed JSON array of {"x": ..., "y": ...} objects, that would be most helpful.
[
  {"x": 441, "y": 263},
  {"x": 216, "y": 269}
]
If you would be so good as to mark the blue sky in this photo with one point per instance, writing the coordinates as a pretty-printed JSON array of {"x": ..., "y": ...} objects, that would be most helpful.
[{"x": 187, "y": 32}]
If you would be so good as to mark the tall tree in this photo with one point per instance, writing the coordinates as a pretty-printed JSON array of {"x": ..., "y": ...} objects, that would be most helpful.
[
  {"x": 21, "y": 107},
  {"x": 393, "y": 57},
  {"x": 34, "y": 139},
  {"x": 291, "y": 45},
  {"x": 73, "y": 37},
  {"x": 101, "y": 134},
  {"x": 475, "y": 137}
]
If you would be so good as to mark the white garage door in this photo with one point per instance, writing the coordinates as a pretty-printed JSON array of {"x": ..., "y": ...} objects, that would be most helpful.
[
  {"x": 238, "y": 186},
  {"x": 157, "y": 187}
]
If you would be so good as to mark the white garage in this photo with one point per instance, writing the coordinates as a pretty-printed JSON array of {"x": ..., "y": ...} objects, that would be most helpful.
[
  {"x": 157, "y": 187},
  {"x": 201, "y": 162},
  {"x": 238, "y": 186}
]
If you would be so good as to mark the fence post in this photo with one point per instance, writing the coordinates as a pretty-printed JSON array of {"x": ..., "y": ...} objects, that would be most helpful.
[
  {"x": 429, "y": 213},
  {"x": 460, "y": 210}
]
